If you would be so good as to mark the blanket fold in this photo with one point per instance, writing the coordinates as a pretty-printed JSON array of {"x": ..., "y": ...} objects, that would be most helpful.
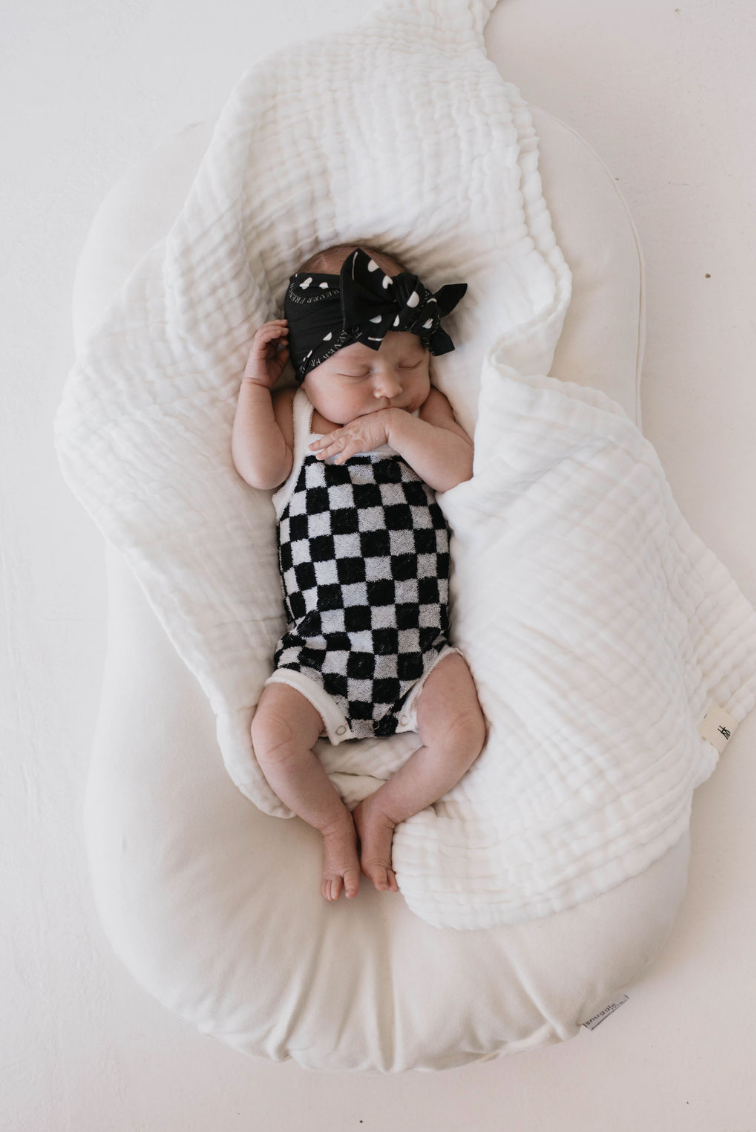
[
  {"x": 600, "y": 631},
  {"x": 598, "y": 628}
]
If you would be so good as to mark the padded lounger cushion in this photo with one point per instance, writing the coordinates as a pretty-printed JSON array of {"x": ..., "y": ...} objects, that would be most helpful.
[
  {"x": 598, "y": 628},
  {"x": 215, "y": 907}
]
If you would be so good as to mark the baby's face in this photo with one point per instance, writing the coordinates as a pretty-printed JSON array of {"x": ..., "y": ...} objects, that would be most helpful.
[{"x": 357, "y": 380}]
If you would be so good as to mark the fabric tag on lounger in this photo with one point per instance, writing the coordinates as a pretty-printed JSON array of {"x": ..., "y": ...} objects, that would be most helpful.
[
  {"x": 717, "y": 726},
  {"x": 597, "y": 1019}
]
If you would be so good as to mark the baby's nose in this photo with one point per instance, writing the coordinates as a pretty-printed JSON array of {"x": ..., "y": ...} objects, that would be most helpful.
[{"x": 387, "y": 386}]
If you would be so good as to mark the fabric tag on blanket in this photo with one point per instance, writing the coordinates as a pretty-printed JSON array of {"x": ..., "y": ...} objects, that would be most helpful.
[
  {"x": 717, "y": 726},
  {"x": 597, "y": 1019}
]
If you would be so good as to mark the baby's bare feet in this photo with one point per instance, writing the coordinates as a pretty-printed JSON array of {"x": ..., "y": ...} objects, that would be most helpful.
[
  {"x": 376, "y": 832},
  {"x": 340, "y": 860}
]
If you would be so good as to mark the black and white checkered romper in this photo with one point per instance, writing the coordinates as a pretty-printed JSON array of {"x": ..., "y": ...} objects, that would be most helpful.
[{"x": 363, "y": 551}]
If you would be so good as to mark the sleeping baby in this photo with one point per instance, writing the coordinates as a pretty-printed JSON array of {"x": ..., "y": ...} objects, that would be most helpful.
[{"x": 356, "y": 453}]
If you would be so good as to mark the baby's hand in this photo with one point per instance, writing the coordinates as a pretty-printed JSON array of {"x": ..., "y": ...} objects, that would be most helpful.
[
  {"x": 265, "y": 362},
  {"x": 363, "y": 434}
]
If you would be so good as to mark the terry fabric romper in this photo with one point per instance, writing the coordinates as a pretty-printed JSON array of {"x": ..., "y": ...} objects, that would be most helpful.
[{"x": 363, "y": 552}]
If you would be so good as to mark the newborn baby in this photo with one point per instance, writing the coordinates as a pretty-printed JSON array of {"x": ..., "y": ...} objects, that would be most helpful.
[{"x": 356, "y": 453}]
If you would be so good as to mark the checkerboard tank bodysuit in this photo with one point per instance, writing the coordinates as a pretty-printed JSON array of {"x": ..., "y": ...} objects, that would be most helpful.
[{"x": 363, "y": 551}]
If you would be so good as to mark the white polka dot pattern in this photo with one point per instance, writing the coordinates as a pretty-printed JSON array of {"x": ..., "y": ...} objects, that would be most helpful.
[{"x": 354, "y": 302}]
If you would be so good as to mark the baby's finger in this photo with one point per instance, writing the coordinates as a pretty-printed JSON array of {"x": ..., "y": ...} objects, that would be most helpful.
[
  {"x": 267, "y": 332},
  {"x": 324, "y": 453},
  {"x": 327, "y": 449},
  {"x": 348, "y": 450},
  {"x": 329, "y": 438}
]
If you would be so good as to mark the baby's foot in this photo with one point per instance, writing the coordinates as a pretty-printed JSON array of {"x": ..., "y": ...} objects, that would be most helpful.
[
  {"x": 340, "y": 860},
  {"x": 376, "y": 832}
]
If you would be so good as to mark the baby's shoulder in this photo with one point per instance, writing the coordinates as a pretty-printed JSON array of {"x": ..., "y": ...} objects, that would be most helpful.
[
  {"x": 437, "y": 410},
  {"x": 435, "y": 406},
  {"x": 283, "y": 401}
]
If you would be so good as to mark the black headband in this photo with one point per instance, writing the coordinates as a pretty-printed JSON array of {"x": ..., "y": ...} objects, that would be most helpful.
[{"x": 361, "y": 304}]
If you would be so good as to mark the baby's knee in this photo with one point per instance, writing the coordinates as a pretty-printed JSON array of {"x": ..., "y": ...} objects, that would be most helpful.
[
  {"x": 449, "y": 714},
  {"x": 272, "y": 735},
  {"x": 457, "y": 733},
  {"x": 283, "y": 726},
  {"x": 466, "y": 731}
]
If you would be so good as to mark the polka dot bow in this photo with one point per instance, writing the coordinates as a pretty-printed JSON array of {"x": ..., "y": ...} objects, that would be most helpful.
[{"x": 362, "y": 304}]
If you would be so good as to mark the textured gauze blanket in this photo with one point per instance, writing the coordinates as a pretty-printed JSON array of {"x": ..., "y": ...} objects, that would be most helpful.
[{"x": 612, "y": 652}]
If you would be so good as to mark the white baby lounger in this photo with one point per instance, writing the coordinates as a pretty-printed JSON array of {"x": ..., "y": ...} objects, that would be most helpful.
[{"x": 215, "y": 905}]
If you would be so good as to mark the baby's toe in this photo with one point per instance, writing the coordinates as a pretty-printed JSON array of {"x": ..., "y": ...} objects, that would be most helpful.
[
  {"x": 331, "y": 887},
  {"x": 341, "y": 863},
  {"x": 381, "y": 875},
  {"x": 351, "y": 882}
]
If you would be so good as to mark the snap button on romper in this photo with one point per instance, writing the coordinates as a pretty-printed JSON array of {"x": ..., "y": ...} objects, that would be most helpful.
[{"x": 363, "y": 553}]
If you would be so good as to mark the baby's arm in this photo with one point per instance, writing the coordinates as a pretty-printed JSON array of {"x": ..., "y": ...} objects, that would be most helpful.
[
  {"x": 438, "y": 448},
  {"x": 259, "y": 449}
]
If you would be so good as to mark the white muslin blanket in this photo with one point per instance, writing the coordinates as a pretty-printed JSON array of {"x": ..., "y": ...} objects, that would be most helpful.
[{"x": 600, "y": 632}]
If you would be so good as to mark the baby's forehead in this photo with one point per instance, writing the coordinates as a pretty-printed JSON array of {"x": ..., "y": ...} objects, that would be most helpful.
[{"x": 395, "y": 341}]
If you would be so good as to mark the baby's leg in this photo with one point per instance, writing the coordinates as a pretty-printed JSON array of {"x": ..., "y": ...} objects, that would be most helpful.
[
  {"x": 452, "y": 731},
  {"x": 284, "y": 729}
]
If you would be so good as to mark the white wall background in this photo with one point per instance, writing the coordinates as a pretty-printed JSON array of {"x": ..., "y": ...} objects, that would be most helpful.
[{"x": 666, "y": 95}]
